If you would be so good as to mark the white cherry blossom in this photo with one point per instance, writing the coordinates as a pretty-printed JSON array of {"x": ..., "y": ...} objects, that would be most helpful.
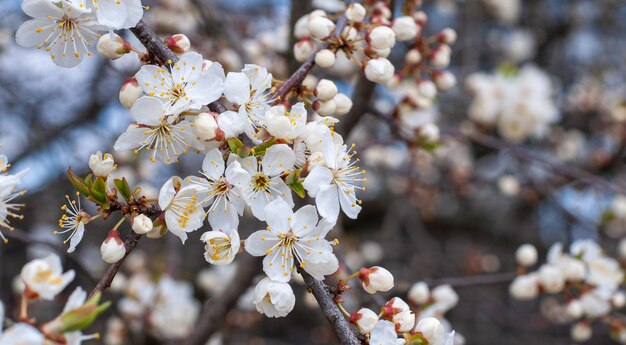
[
  {"x": 8, "y": 193},
  {"x": 118, "y": 14},
  {"x": 183, "y": 213},
  {"x": 265, "y": 183},
  {"x": 164, "y": 136},
  {"x": 65, "y": 29},
  {"x": 221, "y": 246},
  {"x": 73, "y": 221},
  {"x": 286, "y": 125},
  {"x": 334, "y": 186},
  {"x": 290, "y": 239},
  {"x": 273, "y": 298},
  {"x": 44, "y": 278},
  {"x": 184, "y": 85},
  {"x": 220, "y": 190},
  {"x": 383, "y": 333}
]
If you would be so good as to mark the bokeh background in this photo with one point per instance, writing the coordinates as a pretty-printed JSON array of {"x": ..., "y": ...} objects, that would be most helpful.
[{"x": 460, "y": 212}]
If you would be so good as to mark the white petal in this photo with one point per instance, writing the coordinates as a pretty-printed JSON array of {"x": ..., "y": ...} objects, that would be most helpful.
[
  {"x": 320, "y": 269},
  {"x": 77, "y": 237},
  {"x": 236, "y": 175},
  {"x": 278, "y": 159},
  {"x": 260, "y": 242},
  {"x": 318, "y": 177},
  {"x": 167, "y": 192},
  {"x": 231, "y": 123},
  {"x": 41, "y": 8},
  {"x": 148, "y": 111},
  {"x": 327, "y": 201},
  {"x": 206, "y": 89},
  {"x": 223, "y": 215},
  {"x": 349, "y": 204},
  {"x": 237, "y": 88},
  {"x": 277, "y": 214},
  {"x": 111, "y": 13},
  {"x": 150, "y": 78},
  {"x": 304, "y": 220},
  {"x": 213, "y": 164},
  {"x": 28, "y": 36},
  {"x": 134, "y": 12},
  {"x": 278, "y": 265}
]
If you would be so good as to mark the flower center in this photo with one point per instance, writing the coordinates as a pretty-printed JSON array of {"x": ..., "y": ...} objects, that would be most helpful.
[
  {"x": 67, "y": 24},
  {"x": 221, "y": 187},
  {"x": 261, "y": 182},
  {"x": 287, "y": 239},
  {"x": 176, "y": 92},
  {"x": 219, "y": 247}
]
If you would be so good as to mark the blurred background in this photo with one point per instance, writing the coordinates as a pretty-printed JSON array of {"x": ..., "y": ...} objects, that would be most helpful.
[{"x": 439, "y": 217}]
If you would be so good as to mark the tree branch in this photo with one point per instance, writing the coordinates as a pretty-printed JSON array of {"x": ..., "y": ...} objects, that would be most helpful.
[
  {"x": 344, "y": 330},
  {"x": 475, "y": 280}
]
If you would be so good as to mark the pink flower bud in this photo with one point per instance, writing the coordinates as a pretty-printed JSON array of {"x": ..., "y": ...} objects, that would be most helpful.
[
  {"x": 130, "y": 92},
  {"x": 364, "y": 320},
  {"x": 303, "y": 49},
  {"x": 112, "y": 46},
  {"x": 376, "y": 279},
  {"x": 112, "y": 249},
  {"x": 178, "y": 43}
]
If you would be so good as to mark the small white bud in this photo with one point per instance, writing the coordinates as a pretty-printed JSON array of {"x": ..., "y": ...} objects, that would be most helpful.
[
  {"x": 618, "y": 300},
  {"x": 325, "y": 58},
  {"x": 279, "y": 126},
  {"x": 447, "y": 35},
  {"x": 301, "y": 28},
  {"x": 524, "y": 287},
  {"x": 310, "y": 81},
  {"x": 303, "y": 50},
  {"x": 508, "y": 185},
  {"x": 381, "y": 37},
  {"x": 574, "y": 270},
  {"x": 101, "y": 164},
  {"x": 325, "y": 108},
  {"x": 551, "y": 278},
  {"x": 364, "y": 320},
  {"x": 432, "y": 330},
  {"x": 427, "y": 89},
  {"x": 444, "y": 80},
  {"x": 405, "y": 28},
  {"x": 205, "y": 127},
  {"x": 413, "y": 57},
  {"x": 112, "y": 47},
  {"x": 445, "y": 295},
  {"x": 349, "y": 33},
  {"x": 142, "y": 224},
  {"x": 325, "y": 90},
  {"x": 383, "y": 52},
  {"x": 318, "y": 13},
  {"x": 320, "y": 27},
  {"x": 419, "y": 293},
  {"x": 376, "y": 279},
  {"x": 526, "y": 255},
  {"x": 178, "y": 43},
  {"x": 356, "y": 13},
  {"x": 429, "y": 132},
  {"x": 574, "y": 309},
  {"x": 379, "y": 70},
  {"x": 343, "y": 103},
  {"x": 581, "y": 332},
  {"x": 404, "y": 321},
  {"x": 130, "y": 92},
  {"x": 112, "y": 249},
  {"x": 441, "y": 56}
]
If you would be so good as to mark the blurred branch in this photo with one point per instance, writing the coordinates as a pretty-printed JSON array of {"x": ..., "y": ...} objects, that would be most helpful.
[
  {"x": 299, "y": 8},
  {"x": 344, "y": 330},
  {"x": 217, "y": 23},
  {"x": 480, "y": 279},
  {"x": 362, "y": 94},
  {"x": 131, "y": 242},
  {"x": 24, "y": 237}
]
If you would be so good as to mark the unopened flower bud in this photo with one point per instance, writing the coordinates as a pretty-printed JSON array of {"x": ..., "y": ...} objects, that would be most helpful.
[
  {"x": 551, "y": 279},
  {"x": 356, "y": 13},
  {"x": 441, "y": 56},
  {"x": 432, "y": 330},
  {"x": 447, "y": 35},
  {"x": 379, "y": 70},
  {"x": 618, "y": 300},
  {"x": 445, "y": 295},
  {"x": 405, "y": 28},
  {"x": 376, "y": 279},
  {"x": 320, "y": 27},
  {"x": 112, "y": 249},
  {"x": 524, "y": 287},
  {"x": 205, "y": 127},
  {"x": 221, "y": 246},
  {"x": 325, "y": 108},
  {"x": 112, "y": 47},
  {"x": 381, "y": 37},
  {"x": 429, "y": 132},
  {"x": 383, "y": 52},
  {"x": 325, "y": 58},
  {"x": 303, "y": 50},
  {"x": 581, "y": 332},
  {"x": 444, "y": 80},
  {"x": 130, "y": 92},
  {"x": 574, "y": 309},
  {"x": 413, "y": 57},
  {"x": 325, "y": 90},
  {"x": 419, "y": 293},
  {"x": 404, "y": 321},
  {"x": 301, "y": 29},
  {"x": 427, "y": 89},
  {"x": 526, "y": 255},
  {"x": 142, "y": 224},
  {"x": 101, "y": 164},
  {"x": 343, "y": 103},
  {"x": 420, "y": 17},
  {"x": 395, "y": 306},
  {"x": 178, "y": 43},
  {"x": 364, "y": 320},
  {"x": 349, "y": 33}
]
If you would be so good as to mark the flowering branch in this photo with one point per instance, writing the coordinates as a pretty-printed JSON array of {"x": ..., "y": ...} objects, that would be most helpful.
[
  {"x": 131, "y": 242},
  {"x": 345, "y": 332}
]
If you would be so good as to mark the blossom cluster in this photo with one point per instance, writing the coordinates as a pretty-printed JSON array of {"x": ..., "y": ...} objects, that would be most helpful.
[
  {"x": 44, "y": 279},
  {"x": 588, "y": 281},
  {"x": 519, "y": 104}
]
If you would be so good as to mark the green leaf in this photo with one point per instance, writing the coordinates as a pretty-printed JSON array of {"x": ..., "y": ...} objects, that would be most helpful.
[
  {"x": 81, "y": 318},
  {"x": 78, "y": 183},
  {"x": 234, "y": 144},
  {"x": 123, "y": 188},
  {"x": 261, "y": 148},
  {"x": 298, "y": 188},
  {"x": 98, "y": 190}
]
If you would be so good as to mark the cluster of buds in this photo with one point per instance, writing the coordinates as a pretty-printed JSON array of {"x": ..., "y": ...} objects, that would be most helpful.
[{"x": 588, "y": 282}]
